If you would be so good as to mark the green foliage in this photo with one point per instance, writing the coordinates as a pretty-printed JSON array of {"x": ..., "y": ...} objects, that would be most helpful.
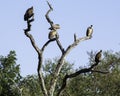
[
  {"x": 9, "y": 75},
  {"x": 49, "y": 68},
  {"x": 88, "y": 84},
  {"x": 30, "y": 86},
  {"x": 97, "y": 84}
]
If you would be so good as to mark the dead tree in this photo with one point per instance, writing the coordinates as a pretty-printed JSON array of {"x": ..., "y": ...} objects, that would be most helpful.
[{"x": 55, "y": 37}]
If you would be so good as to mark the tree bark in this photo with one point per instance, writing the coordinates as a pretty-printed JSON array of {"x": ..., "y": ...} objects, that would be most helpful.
[{"x": 40, "y": 59}]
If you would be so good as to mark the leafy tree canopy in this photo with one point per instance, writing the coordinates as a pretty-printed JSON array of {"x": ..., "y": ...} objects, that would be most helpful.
[{"x": 9, "y": 75}]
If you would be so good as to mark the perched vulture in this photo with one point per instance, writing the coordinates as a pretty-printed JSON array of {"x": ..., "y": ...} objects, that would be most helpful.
[
  {"x": 89, "y": 31},
  {"x": 55, "y": 27},
  {"x": 98, "y": 56},
  {"x": 53, "y": 34},
  {"x": 29, "y": 13}
]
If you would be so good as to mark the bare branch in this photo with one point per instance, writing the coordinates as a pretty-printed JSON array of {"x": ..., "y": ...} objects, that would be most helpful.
[
  {"x": 53, "y": 27},
  {"x": 85, "y": 70},
  {"x": 45, "y": 45},
  {"x": 61, "y": 62},
  {"x": 40, "y": 75},
  {"x": 75, "y": 37},
  {"x": 60, "y": 46},
  {"x": 64, "y": 83},
  {"x": 26, "y": 31},
  {"x": 103, "y": 72},
  {"x": 50, "y": 5},
  {"x": 47, "y": 16},
  {"x": 28, "y": 25}
]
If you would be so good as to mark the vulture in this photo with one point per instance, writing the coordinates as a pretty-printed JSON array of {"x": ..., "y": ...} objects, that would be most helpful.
[
  {"x": 98, "y": 56},
  {"x": 89, "y": 31},
  {"x": 55, "y": 27},
  {"x": 53, "y": 34},
  {"x": 28, "y": 14}
]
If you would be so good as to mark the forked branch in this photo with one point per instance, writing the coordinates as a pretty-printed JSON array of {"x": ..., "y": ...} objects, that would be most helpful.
[
  {"x": 39, "y": 51},
  {"x": 61, "y": 62}
]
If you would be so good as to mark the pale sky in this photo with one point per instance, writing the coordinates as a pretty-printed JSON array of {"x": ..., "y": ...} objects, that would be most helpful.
[{"x": 74, "y": 16}]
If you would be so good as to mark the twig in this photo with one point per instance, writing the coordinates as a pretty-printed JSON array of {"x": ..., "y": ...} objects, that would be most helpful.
[
  {"x": 75, "y": 37},
  {"x": 50, "y": 5},
  {"x": 47, "y": 16},
  {"x": 103, "y": 72}
]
